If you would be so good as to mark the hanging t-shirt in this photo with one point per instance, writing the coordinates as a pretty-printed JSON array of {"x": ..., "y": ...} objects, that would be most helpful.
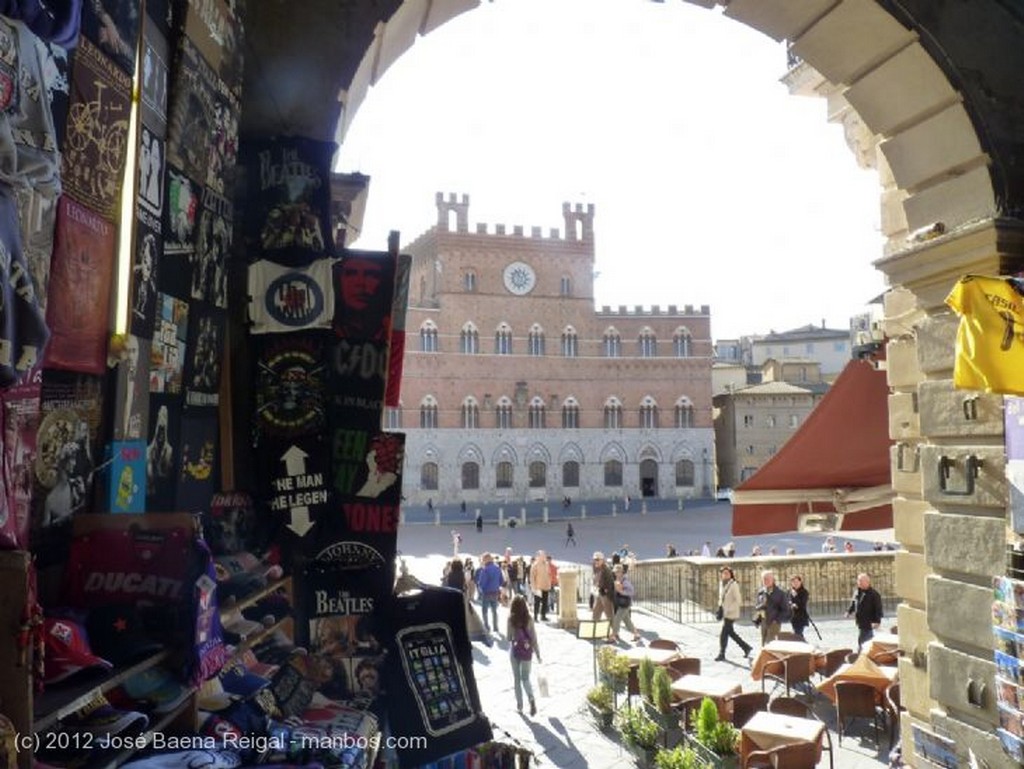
[
  {"x": 430, "y": 683},
  {"x": 990, "y": 338}
]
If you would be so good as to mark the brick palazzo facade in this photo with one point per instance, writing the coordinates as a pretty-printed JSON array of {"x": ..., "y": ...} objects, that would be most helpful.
[{"x": 515, "y": 388}]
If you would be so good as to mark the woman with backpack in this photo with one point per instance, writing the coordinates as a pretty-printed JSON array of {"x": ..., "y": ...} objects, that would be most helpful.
[
  {"x": 522, "y": 636},
  {"x": 623, "y": 600}
]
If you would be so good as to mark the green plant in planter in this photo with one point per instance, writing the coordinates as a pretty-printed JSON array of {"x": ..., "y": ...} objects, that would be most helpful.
[
  {"x": 678, "y": 757},
  {"x": 614, "y": 668},
  {"x": 661, "y": 690},
  {"x": 638, "y": 729},
  {"x": 601, "y": 698},
  {"x": 645, "y": 676},
  {"x": 720, "y": 737}
]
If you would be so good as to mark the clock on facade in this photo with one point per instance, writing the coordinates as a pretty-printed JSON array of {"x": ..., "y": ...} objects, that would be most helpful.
[{"x": 519, "y": 278}]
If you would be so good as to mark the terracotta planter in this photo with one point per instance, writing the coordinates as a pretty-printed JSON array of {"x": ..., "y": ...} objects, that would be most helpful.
[
  {"x": 603, "y": 718},
  {"x": 644, "y": 756},
  {"x": 711, "y": 758}
]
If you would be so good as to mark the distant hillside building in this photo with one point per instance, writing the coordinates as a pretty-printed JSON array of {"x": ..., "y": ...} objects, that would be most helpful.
[
  {"x": 515, "y": 388},
  {"x": 752, "y": 423},
  {"x": 828, "y": 346}
]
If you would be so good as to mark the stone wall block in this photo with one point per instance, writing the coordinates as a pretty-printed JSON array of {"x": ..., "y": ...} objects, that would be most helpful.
[
  {"x": 966, "y": 476},
  {"x": 936, "y": 342},
  {"x": 908, "y": 521},
  {"x": 963, "y": 683},
  {"x": 911, "y": 570},
  {"x": 948, "y": 412},
  {"x": 904, "y": 421},
  {"x": 905, "y": 464},
  {"x": 962, "y": 612},
  {"x": 902, "y": 365},
  {"x": 914, "y": 688},
  {"x": 964, "y": 544}
]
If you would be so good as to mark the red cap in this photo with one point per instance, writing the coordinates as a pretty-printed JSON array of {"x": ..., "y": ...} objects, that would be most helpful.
[{"x": 67, "y": 650}]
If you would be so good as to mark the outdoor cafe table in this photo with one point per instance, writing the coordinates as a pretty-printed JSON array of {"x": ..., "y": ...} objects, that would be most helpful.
[
  {"x": 692, "y": 685},
  {"x": 863, "y": 670},
  {"x": 772, "y": 730},
  {"x": 881, "y": 647},
  {"x": 776, "y": 650},
  {"x": 658, "y": 656}
]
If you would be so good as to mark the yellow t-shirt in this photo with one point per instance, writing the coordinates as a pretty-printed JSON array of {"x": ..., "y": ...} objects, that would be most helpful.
[{"x": 990, "y": 338}]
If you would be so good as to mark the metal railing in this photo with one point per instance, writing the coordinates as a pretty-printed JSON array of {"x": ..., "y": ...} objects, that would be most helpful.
[{"x": 686, "y": 589}]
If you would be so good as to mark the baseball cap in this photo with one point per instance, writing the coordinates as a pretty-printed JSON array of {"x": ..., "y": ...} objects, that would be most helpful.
[
  {"x": 157, "y": 688},
  {"x": 117, "y": 633},
  {"x": 100, "y": 719},
  {"x": 67, "y": 650},
  {"x": 598, "y": 556},
  {"x": 193, "y": 759},
  {"x": 233, "y": 683}
]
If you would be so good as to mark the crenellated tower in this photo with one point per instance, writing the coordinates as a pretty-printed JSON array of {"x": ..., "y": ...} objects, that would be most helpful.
[
  {"x": 445, "y": 208},
  {"x": 579, "y": 223}
]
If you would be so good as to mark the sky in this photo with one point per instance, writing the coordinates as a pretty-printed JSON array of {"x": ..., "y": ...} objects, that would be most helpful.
[{"x": 711, "y": 184}]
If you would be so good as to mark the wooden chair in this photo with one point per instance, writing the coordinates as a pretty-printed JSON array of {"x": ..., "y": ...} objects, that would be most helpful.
[
  {"x": 791, "y": 670},
  {"x": 685, "y": 709},
  {"x": 834, "y": 659},
  {"x": 857, "y": 700},
  {"x": 685, "y": 665},
  {"x": 664, "y": 643},
  {"x": 893, "y": 708},
  {"x": 791, "y": 706},
  {"x": 803, "y": 755},
  {"x": 745, "y": 705},
  {"x": 786, "y": 635}
]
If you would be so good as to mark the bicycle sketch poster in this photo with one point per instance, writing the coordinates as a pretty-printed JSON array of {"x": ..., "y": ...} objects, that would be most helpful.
[{"x": 96, "y": 140}]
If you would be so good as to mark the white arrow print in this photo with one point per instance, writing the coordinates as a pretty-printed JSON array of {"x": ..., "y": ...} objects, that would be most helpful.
[
  {"x": 294, "y": 461},
  {"x": 300, "y": 522}
]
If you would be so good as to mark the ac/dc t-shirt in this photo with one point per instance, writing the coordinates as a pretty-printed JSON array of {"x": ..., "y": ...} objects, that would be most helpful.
[{"x": 431, "y": 688}]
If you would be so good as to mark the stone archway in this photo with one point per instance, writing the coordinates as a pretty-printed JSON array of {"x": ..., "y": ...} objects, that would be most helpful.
[{"x": 919, "y": 87}]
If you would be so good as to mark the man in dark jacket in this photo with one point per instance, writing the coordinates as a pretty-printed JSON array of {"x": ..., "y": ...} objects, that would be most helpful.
[
  {"x": 604, "y": 584},
  {"x": 772, "y": 607},
  {"x": 866, "y": 609}
]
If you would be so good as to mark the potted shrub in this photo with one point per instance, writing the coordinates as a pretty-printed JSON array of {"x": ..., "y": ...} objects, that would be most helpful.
[
  {"x": 714, "y": 741},
  {"x": 600, "y": 700},
  {"x": 679, "y": 757},
  {"x": 640, "y": 733},
  {"x": 614, "y": 669},
  {"x": 644, "y": 676},
  {"x": 659, "y": 705}
]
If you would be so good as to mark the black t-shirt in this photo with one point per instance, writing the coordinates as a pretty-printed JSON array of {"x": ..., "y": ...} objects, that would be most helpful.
[{"x": 430, "y": 674}]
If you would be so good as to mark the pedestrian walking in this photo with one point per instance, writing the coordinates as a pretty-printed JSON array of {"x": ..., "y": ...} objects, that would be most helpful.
[
  {"x": 540, "y": 585},
  {"x": 456, "y": 542},
  {"x": 553, "y": 594},
  {"x": 479, "y": 521},
  {"x": 798, "y": 597},
  {"x": 570, "y": 534},
  {"x": 623, "y": 600},
  {"x": 625, "y": 503},
  {"x": 604, "y": 589},
  {"x": 866, "y": 609},
  {"x": 729, "y": 611},
  {"x": 771, "y": 608},
  {"x": 522, "y": 634},
  {"x": 430, "y": 505},
  {"x": 488, "y": 584},
  {"x": 462, "y": 506}
]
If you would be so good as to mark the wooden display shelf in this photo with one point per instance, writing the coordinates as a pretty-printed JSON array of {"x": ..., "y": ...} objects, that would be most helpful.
[
  {"x": 57, "y": 703},
  {"x": 285, "y": 623},
  {"x": 254, "y": 598}
]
